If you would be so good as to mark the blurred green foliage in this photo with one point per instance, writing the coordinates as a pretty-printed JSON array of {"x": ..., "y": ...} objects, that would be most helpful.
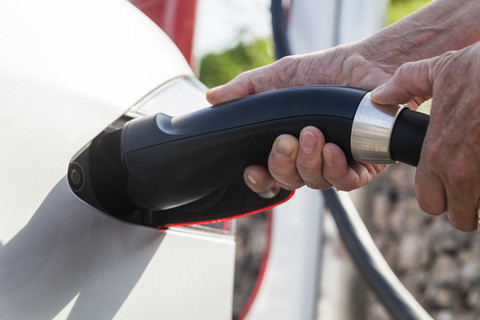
[
  {"x": 219, "y": 68},
  {"x": 402, "y": 8}
]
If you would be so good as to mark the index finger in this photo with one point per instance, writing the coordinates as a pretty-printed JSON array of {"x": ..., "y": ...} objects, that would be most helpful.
[{"x": 277, "y": 75}]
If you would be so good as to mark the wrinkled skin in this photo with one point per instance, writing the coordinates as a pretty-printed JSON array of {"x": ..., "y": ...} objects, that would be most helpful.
[
  {"x": 309, "y": 160},
  {"x": 448, "y": 174}
]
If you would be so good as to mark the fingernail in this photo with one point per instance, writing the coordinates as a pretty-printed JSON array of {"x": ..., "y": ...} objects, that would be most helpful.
[
  {"x": 270, "y": 192},
  {"x": 308, "y": 142},
  {"x": 327, "y": 157},
  {"x": 378, "y": 89},
  {"x": 284, "y": 148},
  {"x": 251, "y": 179}
]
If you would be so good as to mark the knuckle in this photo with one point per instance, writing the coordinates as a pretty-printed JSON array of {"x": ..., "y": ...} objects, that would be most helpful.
[
  {"x": 280, "y": 169},
  {"x": 243, "y": 76},
  {"x": 286, "y": 175},
  {"x": 335, "y": 178},
  {"x": 428, "y": 204},
  {"x": 309, "y": 167},
  {"x": 461, "y": 222},
  {"x": 348, "y": 188},
  {"x": 286, "y": 68},
  {"x": 431, "y": 152},
  {"x": 458, "y": 174},
  {"x": 405, "y": 69},
  {"x": 291, "y": 185},
  {"x": 283, "y": 156},
  {"x": 318, "y": 185},
  {"x": 427, "y": 207},
  {"x": 285, "y": 62}
]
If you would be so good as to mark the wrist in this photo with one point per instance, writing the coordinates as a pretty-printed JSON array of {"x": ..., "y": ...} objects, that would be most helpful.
[{"x": 441, "y": 26}]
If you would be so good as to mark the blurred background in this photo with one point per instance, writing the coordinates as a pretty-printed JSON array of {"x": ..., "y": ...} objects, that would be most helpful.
[
  {"x": 438, "y": 264},
  {"x": 235, "y": 35}
]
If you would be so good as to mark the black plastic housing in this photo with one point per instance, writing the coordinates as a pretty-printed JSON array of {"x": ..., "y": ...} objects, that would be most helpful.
[
  {"x": 174, "y": 161},
  {"x": 407, "y": 136},
  {"x": 161, "y": 170}
]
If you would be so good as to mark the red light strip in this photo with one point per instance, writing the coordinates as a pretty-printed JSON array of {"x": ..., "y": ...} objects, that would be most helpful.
[
  {"x": 184, "y": 224},
  {"x": 263, "y": 267}
]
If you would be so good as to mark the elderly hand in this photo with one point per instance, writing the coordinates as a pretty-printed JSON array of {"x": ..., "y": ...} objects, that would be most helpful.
[
  {"x": 448, "y": 174},
  {"x": 309, "y": 160}
]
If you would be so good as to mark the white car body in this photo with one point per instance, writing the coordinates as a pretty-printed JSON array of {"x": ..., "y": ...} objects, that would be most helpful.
[{"x": 67, "y": 70}]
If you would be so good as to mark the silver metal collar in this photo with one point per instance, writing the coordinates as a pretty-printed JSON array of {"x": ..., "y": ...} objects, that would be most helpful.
[{"x": 371, "y": 130}]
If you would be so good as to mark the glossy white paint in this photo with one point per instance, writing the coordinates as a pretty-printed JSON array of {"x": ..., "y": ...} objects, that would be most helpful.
[
  {"x": 67, "y": 70},
  {"x": 106, "y": 49}
]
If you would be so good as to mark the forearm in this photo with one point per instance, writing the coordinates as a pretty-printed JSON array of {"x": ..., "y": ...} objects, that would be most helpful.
[{"x": 441, "y": 26}]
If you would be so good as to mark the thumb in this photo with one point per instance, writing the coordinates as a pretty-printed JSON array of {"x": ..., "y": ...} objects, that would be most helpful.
[{"x": 412, "y": 80}]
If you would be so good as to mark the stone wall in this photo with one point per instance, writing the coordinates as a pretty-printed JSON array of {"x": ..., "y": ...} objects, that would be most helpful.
[{"x": 437, "y": 263}]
